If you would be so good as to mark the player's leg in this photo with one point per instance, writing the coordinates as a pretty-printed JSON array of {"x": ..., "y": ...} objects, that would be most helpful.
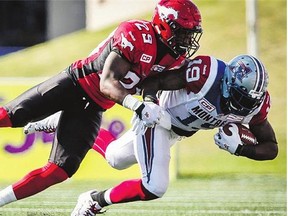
[
  {"x": 4, "y": 118},
  {"x": 32, "y": 183},
  {"x": 102, "y": 141},
  {"x": 38, "y": 180},
  {"x": 33, "y": 104},
  {"x": 153, "y": 155},
  {"x": 118, "y": 149},
  {"x": 120, "y": 153},
  {"x": 74, "y": 137},
  {"x": 20, "y": 110},
  {"x": 77, "y": 130},
  {"x": 38, "y": 102}
]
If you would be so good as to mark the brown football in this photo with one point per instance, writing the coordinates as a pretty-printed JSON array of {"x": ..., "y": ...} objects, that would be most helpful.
[{"x": 246, "y": 136}]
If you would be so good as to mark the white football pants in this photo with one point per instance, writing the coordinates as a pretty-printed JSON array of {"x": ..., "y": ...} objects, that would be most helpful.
[{"x": 151, "y": 151}]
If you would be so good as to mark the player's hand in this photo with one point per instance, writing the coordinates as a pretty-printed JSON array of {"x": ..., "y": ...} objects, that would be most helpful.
[
  {"x": 139, "y": 127},
  {"x": 226, "y": 142},
  {"x": 149, "y": 113}
]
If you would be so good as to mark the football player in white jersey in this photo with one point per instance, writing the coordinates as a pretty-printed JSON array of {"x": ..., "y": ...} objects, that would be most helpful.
[{"x": 213, "y": 94}]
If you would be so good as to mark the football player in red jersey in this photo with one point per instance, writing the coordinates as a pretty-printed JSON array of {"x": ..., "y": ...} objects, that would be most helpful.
[
  {"x": 214, "y": 94},
  {"x": 136, "y": 50}
]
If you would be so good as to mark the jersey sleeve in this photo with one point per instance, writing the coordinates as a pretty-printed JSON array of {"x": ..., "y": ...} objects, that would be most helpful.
[
  {"x": 197, "y": 73},
  {"x": 263, "y": 112},
  {"x": 128, "y": 41},
  {"x": 201, "y": 73}
]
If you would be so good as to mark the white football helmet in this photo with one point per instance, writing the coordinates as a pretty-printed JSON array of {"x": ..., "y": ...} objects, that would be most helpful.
[{"x": 244, "y": 85}]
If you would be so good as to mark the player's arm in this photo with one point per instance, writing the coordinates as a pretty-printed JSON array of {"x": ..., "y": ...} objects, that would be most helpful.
[
  {"x": 167, "y": 80},
  {"x": 267, "y": 148},
  {"x": 115, "y": 69}
]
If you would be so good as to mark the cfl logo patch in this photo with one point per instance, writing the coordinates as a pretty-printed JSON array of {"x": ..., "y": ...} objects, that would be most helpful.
[
  {"x": 157, "y": 68},
  {"x": 207, "y": 105},
  {"x": 146, "y": 58}
]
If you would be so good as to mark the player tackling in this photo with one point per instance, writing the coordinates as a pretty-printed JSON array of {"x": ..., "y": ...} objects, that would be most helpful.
[
  {"x": 214, "y": 94},
  {"x": 112, "y": 73}
]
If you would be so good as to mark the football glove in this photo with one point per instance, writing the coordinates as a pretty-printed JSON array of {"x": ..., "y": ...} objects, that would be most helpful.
[
  {"x": 139, "y": 127},
  {"x": 148, "y": 112},
  {"x": 165, "y": 119},
  {"x": 226, "y": 142}
]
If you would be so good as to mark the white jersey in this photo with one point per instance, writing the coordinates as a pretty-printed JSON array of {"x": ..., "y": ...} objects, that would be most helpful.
[
  {"x": 193, "y": 108},
  {"x": 198, "y": 105}
]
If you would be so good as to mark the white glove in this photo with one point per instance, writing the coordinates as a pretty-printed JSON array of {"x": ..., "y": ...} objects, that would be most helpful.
[
  {"x": 139, "y": 127},
  {"x": 226, "y": 142},
  {"x": 150, "y": 113}
]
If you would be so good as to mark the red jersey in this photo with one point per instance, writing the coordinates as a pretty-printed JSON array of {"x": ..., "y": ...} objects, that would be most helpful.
[{"x": 135, "y": 41}]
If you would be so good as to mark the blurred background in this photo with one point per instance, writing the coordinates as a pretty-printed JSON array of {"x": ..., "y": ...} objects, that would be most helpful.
[
  {"x": 40, "y": 38},
  {"x": 24, "y": 23}
]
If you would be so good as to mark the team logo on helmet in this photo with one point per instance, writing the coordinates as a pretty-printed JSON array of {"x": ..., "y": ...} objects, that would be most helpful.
[
  {"x": 167, "y": 13},
  {"x": 242, "y": 71}
]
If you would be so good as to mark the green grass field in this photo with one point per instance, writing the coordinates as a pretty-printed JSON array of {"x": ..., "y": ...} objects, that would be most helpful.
[
  {"x": 260, "y": 195},
  {"x": 212, "y": 182}
]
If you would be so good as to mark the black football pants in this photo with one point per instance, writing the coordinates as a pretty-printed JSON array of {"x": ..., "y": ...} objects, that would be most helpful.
[{"x": 78, "y": 125}]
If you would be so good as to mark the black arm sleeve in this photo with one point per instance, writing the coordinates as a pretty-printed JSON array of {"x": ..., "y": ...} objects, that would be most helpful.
[{"x": 266, "y": 149}]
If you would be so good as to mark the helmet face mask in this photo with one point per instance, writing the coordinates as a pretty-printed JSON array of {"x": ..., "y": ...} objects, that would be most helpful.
[
  {"x": 240, "y": 103},
  {"x": 178, "y": 25},
  {"x": 244, "y": 85},
  {"x": 187, "y": 41}
]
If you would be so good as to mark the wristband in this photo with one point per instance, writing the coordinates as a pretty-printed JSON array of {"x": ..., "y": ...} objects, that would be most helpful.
[
  {"x": 239, "y": 150},
  {"x": 139, "y": 110},
  {"x": 131, "y": 102}
]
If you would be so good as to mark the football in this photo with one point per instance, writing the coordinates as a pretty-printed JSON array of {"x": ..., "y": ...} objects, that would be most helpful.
[{"x": 246, "y": 136}]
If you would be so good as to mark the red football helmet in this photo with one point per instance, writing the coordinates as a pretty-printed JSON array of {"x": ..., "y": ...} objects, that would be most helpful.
[{"x": 178, "y": 24}]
